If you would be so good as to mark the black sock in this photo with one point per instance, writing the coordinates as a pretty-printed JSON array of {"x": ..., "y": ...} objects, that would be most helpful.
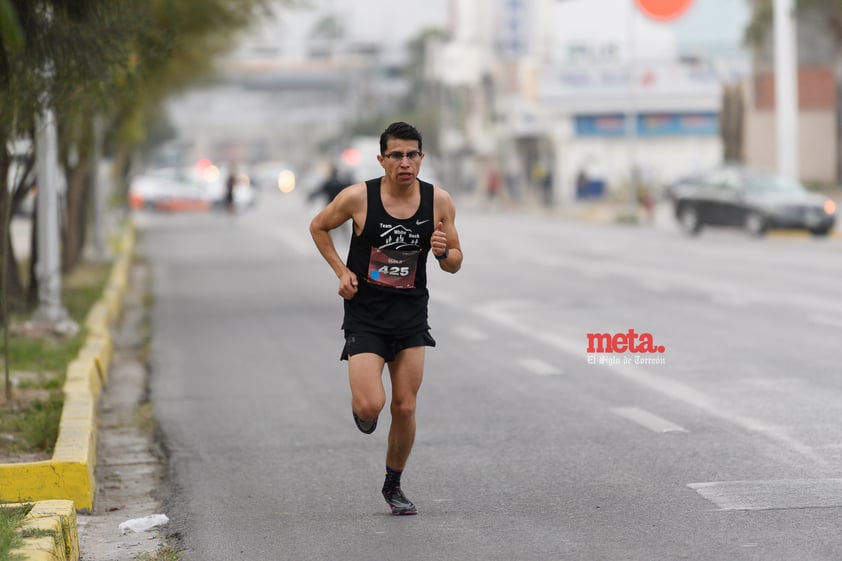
[{"x": 393, "y": 479}]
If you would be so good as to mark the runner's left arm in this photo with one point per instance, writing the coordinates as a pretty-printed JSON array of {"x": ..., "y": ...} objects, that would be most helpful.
[{"x": 445, "y": 238}]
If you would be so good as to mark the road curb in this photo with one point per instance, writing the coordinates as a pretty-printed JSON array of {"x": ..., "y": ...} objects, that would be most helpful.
[
  {"x": 55, "y": 538},
  {"x": 68, "y": 477}
]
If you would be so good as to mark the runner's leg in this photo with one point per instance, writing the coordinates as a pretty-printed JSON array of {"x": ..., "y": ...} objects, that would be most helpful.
[
  {"x": 365, "y": 375},
  {"x": 406, "y": 372}
]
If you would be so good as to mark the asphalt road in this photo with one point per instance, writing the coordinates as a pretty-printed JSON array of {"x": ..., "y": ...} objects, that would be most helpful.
[{"x": 725, "y": 446}]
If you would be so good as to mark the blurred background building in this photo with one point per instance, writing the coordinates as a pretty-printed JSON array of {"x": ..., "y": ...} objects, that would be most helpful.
[
  {"x": 543, "y": 100},
  {"x": 818, "y": 99}
]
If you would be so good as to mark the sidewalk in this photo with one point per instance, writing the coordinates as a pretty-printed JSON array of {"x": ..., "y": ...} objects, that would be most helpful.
[{"x": 130, "y": 466}]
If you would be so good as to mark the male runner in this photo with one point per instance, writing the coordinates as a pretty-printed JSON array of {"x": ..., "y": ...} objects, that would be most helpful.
[{"x": 397, "y": 220}]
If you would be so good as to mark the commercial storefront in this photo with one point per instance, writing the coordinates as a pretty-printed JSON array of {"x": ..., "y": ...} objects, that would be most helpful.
[{"x": 653, "y": 124}]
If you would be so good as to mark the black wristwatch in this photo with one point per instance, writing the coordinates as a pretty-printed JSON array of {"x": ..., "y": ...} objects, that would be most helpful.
[{"x": 443, "y": 255}]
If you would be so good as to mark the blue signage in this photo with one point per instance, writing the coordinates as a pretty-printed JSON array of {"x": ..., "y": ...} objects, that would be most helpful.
[{"x": 649, "y": 124}]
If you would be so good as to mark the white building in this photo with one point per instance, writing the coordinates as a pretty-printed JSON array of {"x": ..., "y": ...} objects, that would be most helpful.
[{"x": 589, "y": 85}]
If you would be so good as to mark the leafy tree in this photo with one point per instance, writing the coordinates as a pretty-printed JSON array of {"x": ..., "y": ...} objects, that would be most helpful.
[
  {"x": 115, "y": 58},
  {"x": 761, "y": 22}
]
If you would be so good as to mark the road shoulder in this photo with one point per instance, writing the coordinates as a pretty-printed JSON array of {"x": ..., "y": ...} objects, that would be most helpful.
[{"x": 130, "y": 466}]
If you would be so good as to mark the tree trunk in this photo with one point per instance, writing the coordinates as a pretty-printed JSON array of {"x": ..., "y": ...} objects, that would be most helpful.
[
  {"x": 13, "y": 293},
  {"x": 122, "y": 169},
  {"x": 731, "y": 123},
  {"x": 32, "y": 287},
  {"x": 76, "y": 216}
]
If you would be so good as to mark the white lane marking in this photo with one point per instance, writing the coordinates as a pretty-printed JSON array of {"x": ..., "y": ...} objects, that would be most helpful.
[
  {"x": 826, "y": 320},
  {"x": 719, "y": 291},
  {"x": 298, "y": 240},
  {"x": 654, "y": 285},
  {"x": 648, "y": 420},
  {"x": 498, "y": 313},
  {"x": 443, "y": 296},
  {"x": 594, "y": 274},
  {"x": 469, "y": 333},
  {"x": 729, "y": 296},
  {"x": 539, "y": 367},
  {"x": 773, "y": 494}
]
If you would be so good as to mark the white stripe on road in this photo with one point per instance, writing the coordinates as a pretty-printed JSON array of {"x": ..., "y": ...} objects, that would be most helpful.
[
  {"x": 826, "y": 320},
  {"x": 443, "y": 296},
  {"x": 772, "y": 494},
  {"x": 298, "y": 240},
  {"x": 500, "y": 313},
  {"x": 648, "y": 420},
  {"x": 539, "y": 367},
  {"x": 469, "y": 333},
  {"x": 732, "y": 298},
  {"x": 654, "y": 285}
]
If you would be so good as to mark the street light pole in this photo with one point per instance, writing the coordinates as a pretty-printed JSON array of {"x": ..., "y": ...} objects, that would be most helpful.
[
  {"x": 48, "y": 266},
  {"x": 786, "y": 88},
  {"x": 98, "y": 249},
  {"x": 632, "y": 111}
]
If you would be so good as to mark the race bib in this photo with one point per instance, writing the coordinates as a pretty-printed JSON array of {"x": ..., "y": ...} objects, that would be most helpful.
[{"x": 395, "y": 269}]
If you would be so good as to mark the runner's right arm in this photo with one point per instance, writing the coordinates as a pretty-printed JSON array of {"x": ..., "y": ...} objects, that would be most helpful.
[{"x": 339, "y": 211}]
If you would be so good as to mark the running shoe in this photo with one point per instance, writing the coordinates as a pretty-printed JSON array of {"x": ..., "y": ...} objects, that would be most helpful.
[
  {"x": 399, "y": 504},
  {"x": 365, "y": 426}
]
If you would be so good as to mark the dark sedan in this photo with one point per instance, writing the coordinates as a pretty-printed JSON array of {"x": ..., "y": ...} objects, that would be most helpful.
[{"x": 754, "y": 200}]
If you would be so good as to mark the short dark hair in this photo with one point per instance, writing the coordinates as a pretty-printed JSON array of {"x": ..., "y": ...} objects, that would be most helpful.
[{"x": 401, "y": 130}]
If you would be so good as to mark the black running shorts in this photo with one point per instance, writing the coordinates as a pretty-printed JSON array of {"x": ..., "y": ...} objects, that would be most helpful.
[{"x": 386, "y": 346}]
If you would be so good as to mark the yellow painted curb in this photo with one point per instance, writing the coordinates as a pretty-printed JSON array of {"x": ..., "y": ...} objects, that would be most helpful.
[
  {"x": 83, "y": 375},
  {"x": 69, "y": 475},
  {"x": 57, "y": 537},
  {"x": 96, "y": 322},
  {"x": 100, "y": 348}
]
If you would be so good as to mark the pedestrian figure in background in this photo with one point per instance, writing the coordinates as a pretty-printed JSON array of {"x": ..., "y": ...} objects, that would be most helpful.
[
  {"x": 494, "y": 182},
  {"x": 646, "y": 201},
  {"x": 330, "y": 187},
  {"x": 542, "y": 177},
  {"x": 397, "y": 220},
  {"x": 512, "y": 175},
  {"x": 230, "y": 184}
]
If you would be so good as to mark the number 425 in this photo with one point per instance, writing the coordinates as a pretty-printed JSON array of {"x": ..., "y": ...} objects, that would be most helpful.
[{"x": 394, "y": 271}]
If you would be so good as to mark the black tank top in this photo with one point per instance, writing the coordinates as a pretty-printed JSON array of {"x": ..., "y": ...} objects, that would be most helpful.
[{"x": 389, "y": 258}]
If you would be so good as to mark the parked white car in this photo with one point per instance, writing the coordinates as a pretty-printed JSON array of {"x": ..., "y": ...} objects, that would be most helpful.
[{"x": 187, "y": 188}]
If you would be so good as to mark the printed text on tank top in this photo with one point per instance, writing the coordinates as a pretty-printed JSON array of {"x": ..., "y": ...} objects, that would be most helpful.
[{"x": 394, "y": 261}]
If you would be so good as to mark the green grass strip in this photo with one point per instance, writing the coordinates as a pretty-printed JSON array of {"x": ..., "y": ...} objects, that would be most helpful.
[{"x": 11, "y": 519}]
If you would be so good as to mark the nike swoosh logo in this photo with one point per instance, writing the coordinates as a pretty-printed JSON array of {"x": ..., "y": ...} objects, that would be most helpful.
[{"x": 419, "y": 222}]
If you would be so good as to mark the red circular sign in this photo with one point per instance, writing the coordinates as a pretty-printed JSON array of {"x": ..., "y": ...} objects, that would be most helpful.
[{"x": 663, "y": 9}]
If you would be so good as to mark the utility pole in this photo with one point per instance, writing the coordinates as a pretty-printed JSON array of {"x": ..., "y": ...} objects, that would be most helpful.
[
  {"x": 98, "y": 249},
  {"x": 786, "y": 88},
  {"x": 48, "y": 267},
  {"x": 632, "y": 111}
]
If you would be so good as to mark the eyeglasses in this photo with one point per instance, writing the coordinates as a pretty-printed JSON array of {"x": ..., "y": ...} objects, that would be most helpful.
[{"x": 413, "y": 155}]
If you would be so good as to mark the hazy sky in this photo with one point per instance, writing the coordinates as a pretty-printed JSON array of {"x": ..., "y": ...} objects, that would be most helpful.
[
  {"x": 708, "y": 24},
  {"x": 713, "y": 22},
  {"x": 707, "y": 28},
  {"x": 380, "y": 21}
]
